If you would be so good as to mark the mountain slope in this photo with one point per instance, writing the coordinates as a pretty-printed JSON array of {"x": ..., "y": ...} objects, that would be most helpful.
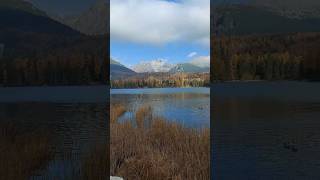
[
  {"x": 201, "y": 61},
  {"x": 115, "y": 62},
  {"x": 28, "y": 22},
  {"x": 118, "y": 70},
  {"x": 94, "y": 21},
  {"x": 153, "y": 66},
  {"x": 26, "y": 32},
  {"x": 188, "y": 68},
  {"x": 22, "y": 6}
]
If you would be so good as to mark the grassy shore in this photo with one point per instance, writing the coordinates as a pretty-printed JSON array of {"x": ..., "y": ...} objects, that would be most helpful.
[
  {"x": 22, "y": 153},
  {"x": 25, "y": 153},
  {"x": 150, "y": 147},
  {"x": 147, "y": 147}
]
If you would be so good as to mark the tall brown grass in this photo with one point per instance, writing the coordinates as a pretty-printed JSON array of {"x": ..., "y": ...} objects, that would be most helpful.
[
  {"x": 22, "y": 153},
  {"x": 116, "y": 111},
  {"x": 96, "y": 165},
  {"x": 163, "y": 150},
  {"x": 143, "y": 116}
]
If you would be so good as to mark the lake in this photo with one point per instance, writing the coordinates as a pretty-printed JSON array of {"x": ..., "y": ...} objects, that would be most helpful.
[
  {"x": 187, "y": 106},
  {"x": 265, "y": 130},
  {"x": 260, "y": 130},
  {"x": 74, "y": 116}
]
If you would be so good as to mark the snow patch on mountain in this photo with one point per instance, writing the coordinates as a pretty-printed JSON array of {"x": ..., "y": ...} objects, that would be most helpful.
[
  {"x": 189, "y": 68},
  {"x": 159, "y": 65}
]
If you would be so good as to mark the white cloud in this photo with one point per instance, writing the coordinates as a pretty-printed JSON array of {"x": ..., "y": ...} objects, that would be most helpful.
[
  {"x": 160, "y": 22},
  {"x": 192, "y": 54},
  {"x": 202, "y": 61}
]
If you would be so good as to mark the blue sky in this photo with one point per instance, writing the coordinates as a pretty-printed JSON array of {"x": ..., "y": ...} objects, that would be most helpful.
[
  {"x": 176, "y": 31},
  {"x": 171, "y": 29},
  {"x": 130, "y": 54}
]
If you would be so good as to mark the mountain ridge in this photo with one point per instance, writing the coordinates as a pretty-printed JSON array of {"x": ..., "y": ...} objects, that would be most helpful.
[
  {"x": 93, "y": 21},
  {"x": 118, "y": 71},
  {"x": 28, "y": 33},
  {"x": 158, "y": 65},
  {"x": 189, "y": 68},
  {"x": 23, "y": 6}
]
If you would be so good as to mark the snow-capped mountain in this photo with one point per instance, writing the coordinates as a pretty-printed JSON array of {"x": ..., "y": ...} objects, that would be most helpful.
[
  {"x": 159, "y": 65},
  {"x": 197, "y": 65},
  {"x": 188, "y": 68}
]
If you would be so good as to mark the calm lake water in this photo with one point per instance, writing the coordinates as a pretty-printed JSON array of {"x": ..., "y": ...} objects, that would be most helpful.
[
  {"x": 265, "y": 130},
  {"x": 260, "y": 130},
  {"x": 75, "y": 117},
  {"x": 187, "y": 106}
]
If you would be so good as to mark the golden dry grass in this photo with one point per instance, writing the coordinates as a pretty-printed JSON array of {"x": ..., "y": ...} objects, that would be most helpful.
[
  {"x": 22, "y": 153},
  {"x": 115, "y": 112},
  {"x": 143, "y": 116},
  {"x": 163, "y": 150}
]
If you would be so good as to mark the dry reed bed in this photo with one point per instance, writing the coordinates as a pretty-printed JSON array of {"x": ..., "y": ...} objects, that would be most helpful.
[
  {"x": 25, "y": 153},
  {"x": 153, "y": 148},
  {"x": 116, "y": 111},
  {"x": 96, "y": 165},
  {"x": 22, "y": 154}
]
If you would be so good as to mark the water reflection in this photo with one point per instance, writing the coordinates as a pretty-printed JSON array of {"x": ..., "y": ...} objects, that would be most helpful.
[
  {"x": 265, "y": 136},
  {"x": 188, "y": 106},
  {"x": 76, "y": 128}
]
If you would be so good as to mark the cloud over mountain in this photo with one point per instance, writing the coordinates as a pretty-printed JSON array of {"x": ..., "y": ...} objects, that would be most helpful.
[
  {"x": 160, "y": 22},
  {"x": 201, "y": 61}
]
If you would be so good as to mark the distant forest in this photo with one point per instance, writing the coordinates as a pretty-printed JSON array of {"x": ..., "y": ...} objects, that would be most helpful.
[
  {"x": 160, "y": 80},
  {"x": 293, "y": 56},
  {"x": 78, "y": 60}
]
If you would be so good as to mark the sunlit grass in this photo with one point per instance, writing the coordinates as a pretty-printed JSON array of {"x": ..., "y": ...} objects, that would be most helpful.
[
  {"x": 115, "y": 112},
  {"x": 143, "y": 116},
  {"x": 146, "y": 147},
  {"x": 161, "y": 150}
]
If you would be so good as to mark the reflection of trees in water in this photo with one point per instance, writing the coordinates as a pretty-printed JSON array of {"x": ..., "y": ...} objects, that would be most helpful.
[
  {"x": 287, "y": 128},
  {"x": 77, "y": 128}
]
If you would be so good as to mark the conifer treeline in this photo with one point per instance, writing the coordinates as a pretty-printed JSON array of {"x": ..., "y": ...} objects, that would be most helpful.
[
  {"x": 161, "y": 80},
  {"x": 266, "y": 57},
  {"x": 82, "y": 63}
]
